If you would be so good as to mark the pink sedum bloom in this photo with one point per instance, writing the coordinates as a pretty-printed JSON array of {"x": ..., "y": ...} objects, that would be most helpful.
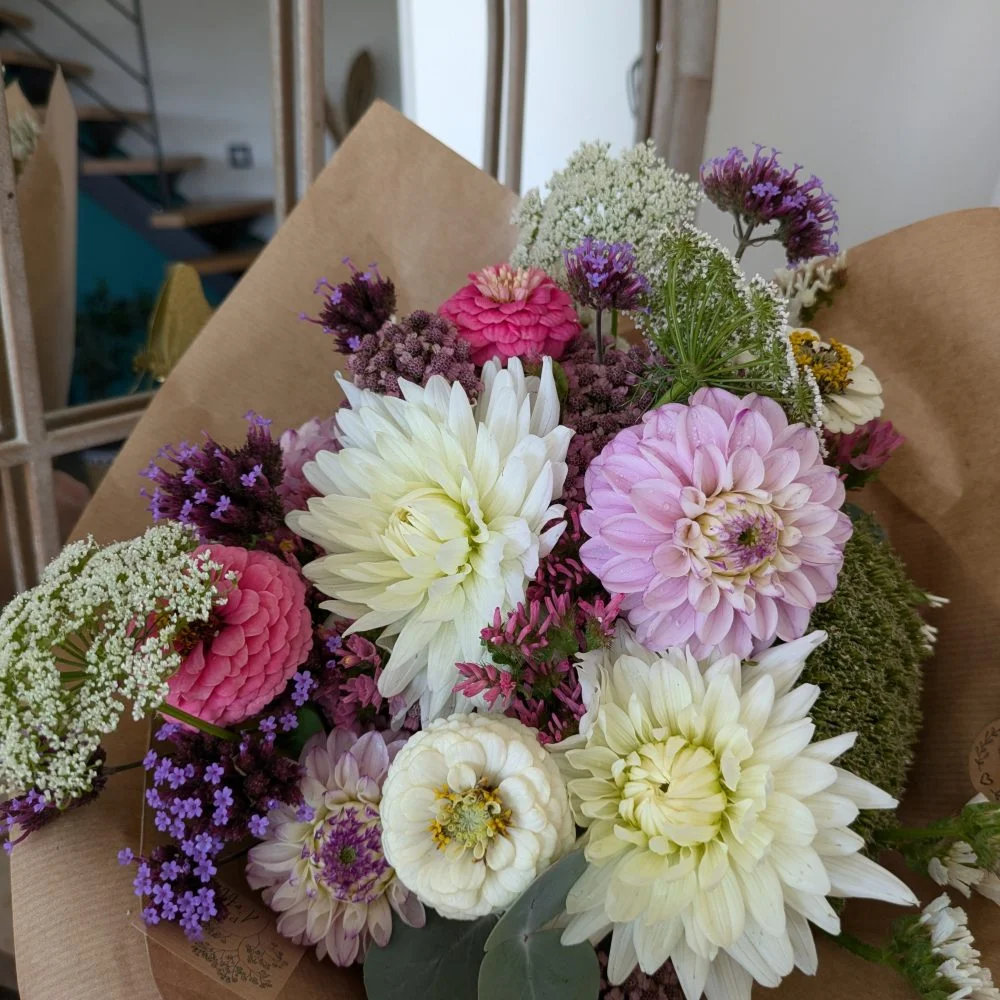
[
  {"x": 245, "y": 654},
  {"x": 720, "y": 523},
  {"x": 860, "y": 454},
  {"x": 510, "y": 312}
]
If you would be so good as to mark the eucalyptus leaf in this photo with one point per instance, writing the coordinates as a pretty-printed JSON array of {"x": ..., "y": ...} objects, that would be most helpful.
[
  {"x": 539, "y": 967},
  {"x": 439, "y": 961},
  {"x": 541, "y": 902}
]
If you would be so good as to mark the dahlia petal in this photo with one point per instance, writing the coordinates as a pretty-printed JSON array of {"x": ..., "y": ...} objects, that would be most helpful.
[
  {"x": 727, "y": 980},
  {"x": 860, "y": 877},
  {"x": 656, "y": 502},
  {"x": 765, "y": 899},
  {"x": 692, "y": 970},
  {"x": 800, "y": 868},
  {"x": 862, "y": 793},
  {"x": 803, "y": 943},
  {"x": 768, "y": 958}
]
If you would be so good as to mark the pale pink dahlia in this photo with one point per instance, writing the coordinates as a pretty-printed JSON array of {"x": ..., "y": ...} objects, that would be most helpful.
[
  {"x": 511, "y": 312},
  {"x": 719, "y": 522},
  {"x": 321, "y": 866},
  {"x": 247, "y": 651},
  {"x": 297, "y": 448}
]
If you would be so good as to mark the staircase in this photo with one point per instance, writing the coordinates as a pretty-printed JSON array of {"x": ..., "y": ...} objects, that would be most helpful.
[{"x": 213, "y": 236}]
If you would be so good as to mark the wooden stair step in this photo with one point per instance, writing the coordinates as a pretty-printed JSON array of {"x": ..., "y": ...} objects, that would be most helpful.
[
  {"x": 206, "y": 213},
  {"x": 12, "y": 19},
  {"x": 230, "y": 262},
  {"x": 131, "y": 166},
  {"x": 31, "y": 60},
  {"x": 98, "y": 115}
]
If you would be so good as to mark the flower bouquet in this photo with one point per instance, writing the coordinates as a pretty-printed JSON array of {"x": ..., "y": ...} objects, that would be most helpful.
[{"x": 541, "y": 650}]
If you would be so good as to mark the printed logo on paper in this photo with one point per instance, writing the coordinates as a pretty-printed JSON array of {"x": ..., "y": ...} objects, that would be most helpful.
[{"x": 984, "y": 762}]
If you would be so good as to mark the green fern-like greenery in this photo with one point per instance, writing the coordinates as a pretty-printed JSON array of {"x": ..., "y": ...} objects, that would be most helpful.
[
  {"x": 870, "y": 667},
  {"x": 710, "y": 325}
]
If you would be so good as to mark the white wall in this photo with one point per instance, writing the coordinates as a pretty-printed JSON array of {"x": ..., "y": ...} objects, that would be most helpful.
[
  {"x": 894, "y": 103},
  {"x": 212, "y": 73}
]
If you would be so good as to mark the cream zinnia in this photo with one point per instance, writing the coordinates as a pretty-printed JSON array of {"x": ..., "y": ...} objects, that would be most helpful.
[
  {"x": 715, "y": 829},
  {"x": 433, "y": 514},
  {"x": 473, "y": 810}
]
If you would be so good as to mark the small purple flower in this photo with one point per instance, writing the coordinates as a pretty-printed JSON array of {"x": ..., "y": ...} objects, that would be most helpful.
[
  {"x": 167, "y": 731},
  {"x": 305, "y": 813},
  {"x": 355, "y": 307},
  {"x": 205, "y": 869},
  {"x": 214, "y": 773},
  {"x": 304, "y": 686},
  {"x": 258, "y": 826},
  {"x": 150, "y": 916},
  {"x": 760, "y": 192},
  {"x": 602, "y": 275},
  {"x": 125, "y": 856},
  {"x": 163, "y": 821},
  {"x": 268, "y": 724},
  {"x": 249, "y": 478},
  {"x": 149, "y": 761},
  {"x": 154, "y": 800},
  {"x": 289, "y": 721}
]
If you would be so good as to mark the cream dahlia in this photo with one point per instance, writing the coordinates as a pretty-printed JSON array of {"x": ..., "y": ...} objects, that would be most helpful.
[
  {"x": 851, "y": 393},
  {"x": 321, "y": 863},
  {"x": 715, "y": 831},
  {"x": 473, "y": 810},
  {"x": 434, "y": 514},
  {"x": 719, "y": 521}
]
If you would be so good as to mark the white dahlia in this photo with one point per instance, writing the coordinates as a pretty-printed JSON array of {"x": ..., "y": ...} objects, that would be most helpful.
[
  {"x": 433, "y": 514},
  {"x": 850, "y": 391},
  {"x": 715, "y": 830},
  {"x": 473, "y": 810}
]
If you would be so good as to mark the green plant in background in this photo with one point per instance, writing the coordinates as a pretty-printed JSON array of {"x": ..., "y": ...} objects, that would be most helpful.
[
  {"x": 109, "y": 331},
  {"x": 710, "y": 325},
  {"x": 869, "y": 668}
]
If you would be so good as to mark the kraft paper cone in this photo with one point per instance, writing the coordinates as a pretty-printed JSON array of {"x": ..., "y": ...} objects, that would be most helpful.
[
  {"x": 46, "y": 202},
  {"x": 917, "y": 302}
]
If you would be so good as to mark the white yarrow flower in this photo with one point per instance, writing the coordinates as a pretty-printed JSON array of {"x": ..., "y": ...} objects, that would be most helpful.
[
  {"x": 715, "y": 829},
  {"x": 433, "y": 514},
  {"x": 473, "y": 810}
]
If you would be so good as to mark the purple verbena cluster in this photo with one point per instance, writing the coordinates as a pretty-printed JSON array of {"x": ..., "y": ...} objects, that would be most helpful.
[
  {"x": 205, "y": 793},
  {"x": 355, "y": 307},
  {"x": 345, "y": 671},
  {"x": 760, "y": 191},
  {"x": 602, "y": 275},
  {"x": 602, "y": 399},
  {"x": 228, "y": 495},
  {"x": 175, "y": 885},
  {"x": 32, "y": 811},
  {"x": 419, "y": 346}
]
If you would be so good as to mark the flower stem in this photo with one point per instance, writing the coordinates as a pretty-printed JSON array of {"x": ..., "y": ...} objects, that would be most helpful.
[
  {"x": 910, "y": 835},
  {"x": 118, "y": 768},
  {"x": 193, "y": 720},
  {"x": 600, "y": 339},
  {"x": 858, "y": 947},
  {"x": 72, "y": 675},
  {"x": 743, "y": 236},
  {"x": 614, "y": 327}
]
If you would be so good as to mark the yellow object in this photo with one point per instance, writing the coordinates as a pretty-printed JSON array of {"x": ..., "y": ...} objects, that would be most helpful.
[{"x": 180, "y": 312}]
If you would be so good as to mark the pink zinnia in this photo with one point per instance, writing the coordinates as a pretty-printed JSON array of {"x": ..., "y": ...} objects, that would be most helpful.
[
  {"x": 510, "y": 312},
  {"x": 719, "y": 522},
  {"x": 245, "y": 654}
]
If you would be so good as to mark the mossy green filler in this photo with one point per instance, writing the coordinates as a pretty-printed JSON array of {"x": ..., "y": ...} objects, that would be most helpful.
[{"x": 870, "y": 667}]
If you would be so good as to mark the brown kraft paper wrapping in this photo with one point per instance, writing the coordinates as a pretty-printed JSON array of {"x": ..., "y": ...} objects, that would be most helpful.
[{"x": 918, "y": 304}]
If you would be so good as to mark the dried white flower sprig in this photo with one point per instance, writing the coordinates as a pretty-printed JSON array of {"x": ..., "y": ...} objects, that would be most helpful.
[{"x": 97, "y": 633}]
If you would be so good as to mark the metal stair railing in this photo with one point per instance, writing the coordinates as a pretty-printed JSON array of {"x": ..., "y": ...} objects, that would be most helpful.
[{"x": 141, "y": 75}]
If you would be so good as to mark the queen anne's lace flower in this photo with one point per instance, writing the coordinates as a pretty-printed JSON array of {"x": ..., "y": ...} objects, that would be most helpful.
[
  {"x": 434, "y": 514},
  {"x": 473, "y": 810},
  {"x": 630, "y": 198},
  {"x": 719, "y": 521},
  {"x": 715, "y": 831},
  {"x": 88, "y": 615},
  {"x": 321, "y": 865}
]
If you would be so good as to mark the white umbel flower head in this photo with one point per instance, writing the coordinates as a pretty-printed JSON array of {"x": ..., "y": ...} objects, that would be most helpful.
[
  {"x": 850, "y": 392},
  {"x": 473, "y": 810},
  {"x": 433, "y": 514},
  {"x": 715, "y": 829}
]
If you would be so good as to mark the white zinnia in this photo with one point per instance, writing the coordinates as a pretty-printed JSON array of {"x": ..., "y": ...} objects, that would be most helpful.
[
  {"x": 433, "y": 515},
  {"x": 473, "y": 810},
  {"x": 715, "y": 830}
]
